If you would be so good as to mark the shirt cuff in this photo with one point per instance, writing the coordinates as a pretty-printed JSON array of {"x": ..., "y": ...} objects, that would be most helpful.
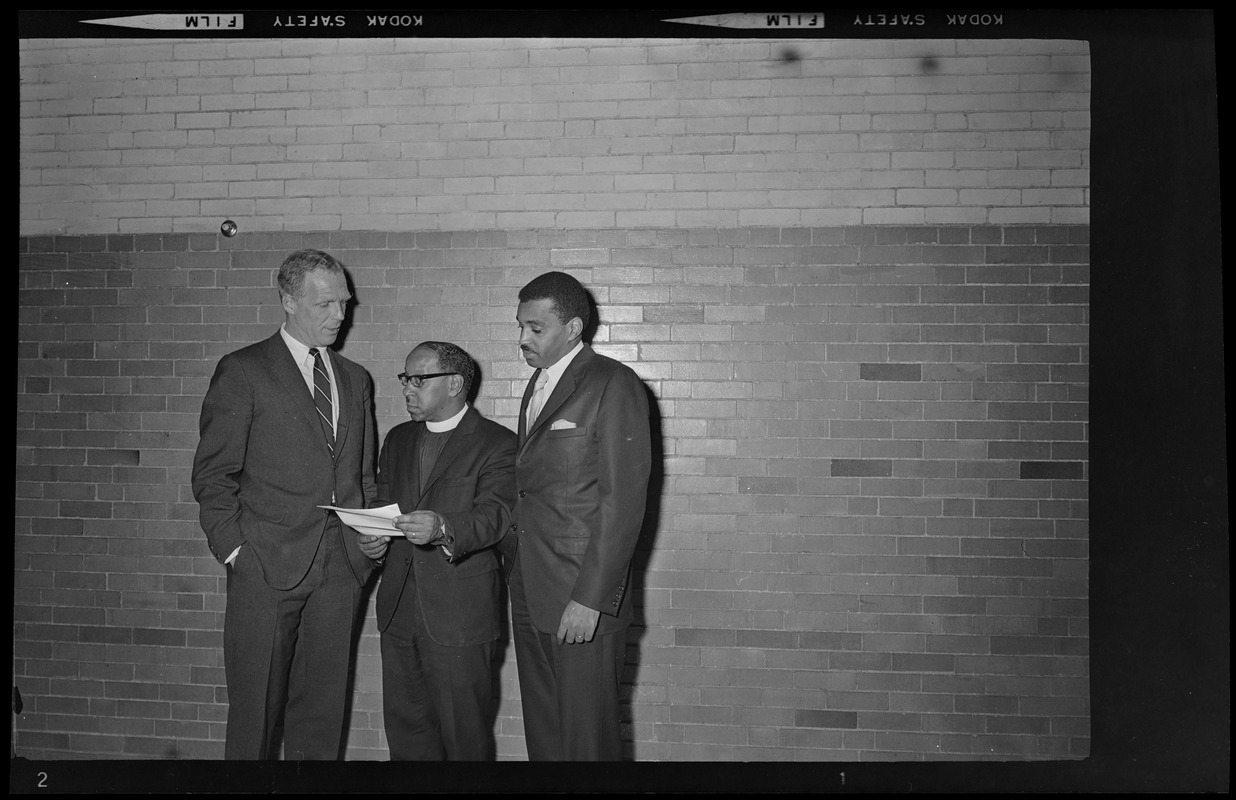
[{"x": 445, "y": 538}]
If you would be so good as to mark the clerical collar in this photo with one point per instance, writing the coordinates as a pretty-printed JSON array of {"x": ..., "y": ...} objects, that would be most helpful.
[{"x": 446, "y": 424}]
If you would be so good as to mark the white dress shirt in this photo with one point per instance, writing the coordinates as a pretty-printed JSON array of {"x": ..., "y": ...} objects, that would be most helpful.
[{"x": 300, "y": 352}]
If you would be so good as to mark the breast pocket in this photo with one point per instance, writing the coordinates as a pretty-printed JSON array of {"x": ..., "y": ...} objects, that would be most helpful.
[
  {"x": 571, "y": 448},
  {"x": 569, "y": 546},
  {"x": 453, "y": 495}
]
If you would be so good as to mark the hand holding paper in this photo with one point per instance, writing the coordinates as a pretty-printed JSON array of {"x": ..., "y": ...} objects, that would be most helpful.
[
  {"x": 374, "y": 527},
  {"x": 374, "y": 547},
  {"x": 370, "y": 521},
  {"x": 421, "y": 527}
]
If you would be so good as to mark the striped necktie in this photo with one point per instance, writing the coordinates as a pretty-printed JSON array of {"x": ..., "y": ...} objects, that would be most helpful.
[{"x": 321, "y": 398}]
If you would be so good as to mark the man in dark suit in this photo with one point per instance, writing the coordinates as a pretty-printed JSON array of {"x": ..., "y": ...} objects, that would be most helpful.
[
  {"x": 286, "y": 427},
  {"x": 452, "y": 474},
  {"x": 581, "y": 472}
]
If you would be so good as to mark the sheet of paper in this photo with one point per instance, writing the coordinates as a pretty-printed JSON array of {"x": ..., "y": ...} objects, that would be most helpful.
[{"x": 372, "y": 521}]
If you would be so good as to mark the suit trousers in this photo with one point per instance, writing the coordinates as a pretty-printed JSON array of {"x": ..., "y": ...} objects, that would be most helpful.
[
  {"x": 569, "y": 692},
  {"x": 437, "y": 701},
  {"x": 288, "y": 651}
]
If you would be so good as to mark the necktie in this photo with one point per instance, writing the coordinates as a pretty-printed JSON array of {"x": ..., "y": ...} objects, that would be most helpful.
[
  {"x": 321, "y": 398},
  {"x": 538, "y": 397}
]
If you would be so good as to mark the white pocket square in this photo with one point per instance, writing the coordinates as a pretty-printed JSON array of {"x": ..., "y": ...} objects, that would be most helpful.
[{"x": 562, "y": 425}]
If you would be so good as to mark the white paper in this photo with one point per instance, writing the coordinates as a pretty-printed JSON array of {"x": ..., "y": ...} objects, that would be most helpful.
[{"x": 371, "y": 521}]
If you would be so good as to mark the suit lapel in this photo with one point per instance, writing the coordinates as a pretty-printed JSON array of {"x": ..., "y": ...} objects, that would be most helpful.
[
  {"x": 410, "y": 456},
  {"x": 564, "y": 389},
  {"x": 343, "y": 388},
  {"x": 566, "y": 385},
  {"x": 285, "y": 368}
]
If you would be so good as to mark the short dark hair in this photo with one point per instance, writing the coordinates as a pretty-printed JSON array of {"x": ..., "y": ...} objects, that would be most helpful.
[
  {"x": 294, "y": 268},
  {"x": 567, "y": 295},
  {"x": 452, "y": 358}
]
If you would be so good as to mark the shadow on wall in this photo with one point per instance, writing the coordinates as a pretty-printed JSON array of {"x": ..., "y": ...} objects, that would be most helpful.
[
  {"x": 643, "y": 548},
  {"x": 639, "y": 566}
]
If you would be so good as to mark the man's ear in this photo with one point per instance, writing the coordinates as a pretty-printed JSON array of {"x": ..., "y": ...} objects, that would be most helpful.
[
  {"x": 289, "y": 305},
  {"x": 457, "y": 384},
  {"x": 576, "y": 328}
]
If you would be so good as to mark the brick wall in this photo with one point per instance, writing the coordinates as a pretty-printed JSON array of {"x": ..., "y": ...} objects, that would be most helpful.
[
  {"x": 857, "y": 292},
  {"x": 163, "y": 136}
]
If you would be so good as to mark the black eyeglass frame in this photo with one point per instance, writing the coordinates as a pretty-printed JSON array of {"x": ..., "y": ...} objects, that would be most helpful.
[{"x": 418, "y": 381}]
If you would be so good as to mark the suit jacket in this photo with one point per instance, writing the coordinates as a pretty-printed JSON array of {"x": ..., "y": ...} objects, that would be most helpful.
[
  {"x": 582, "y": 478},
  {"x": 263, "y": 466},
  {"x": 471, "y": 485}
]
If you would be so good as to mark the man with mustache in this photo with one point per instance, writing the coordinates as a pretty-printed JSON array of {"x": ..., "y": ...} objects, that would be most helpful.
[
  {"x": 452, "y": 474},
  {"x": 287, "y": 426},
  {"x": 581, "y": 472}
]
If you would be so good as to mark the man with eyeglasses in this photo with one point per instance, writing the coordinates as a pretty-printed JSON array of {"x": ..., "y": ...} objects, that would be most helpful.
[{"x": 453, "y": 475}]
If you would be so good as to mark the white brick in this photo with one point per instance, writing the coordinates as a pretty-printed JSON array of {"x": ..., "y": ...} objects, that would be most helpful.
[
  {"x": 1052, "y": 197},
  {"x": 706, "y": 219},
  {"x": 961, "y": 215},
  {"x": 771, "y": 217},
  {"x": 892, "y": 216},
  {"x": 322, "y": 152},
  {"x": 584, "y": 219},
  {"x": 989, "y": 197},
  {"x": 1072, "y": 216},
  {"x": 1019, "y": 216}
]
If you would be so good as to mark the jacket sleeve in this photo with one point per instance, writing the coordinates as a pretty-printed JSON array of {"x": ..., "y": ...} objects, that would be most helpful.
[
  {"x": 369, "y": 484},
  {"x": 624, "y": 462},
  {"x": 487, "y": 521},
  {"x": 382, "y": 485},
  {"x": 227, "y": 413}
]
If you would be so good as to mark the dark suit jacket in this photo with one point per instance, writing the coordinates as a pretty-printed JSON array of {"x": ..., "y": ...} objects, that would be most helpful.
[
  {"x": 582, "y": 479},
  {"x": 471, "y": 485},
  {"x": 263, "y": 466}
]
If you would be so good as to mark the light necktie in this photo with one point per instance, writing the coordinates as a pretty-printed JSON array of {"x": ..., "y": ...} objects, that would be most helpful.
[
  {"x": 538, "y": 397},
  {"x": 321, "y": 398}
]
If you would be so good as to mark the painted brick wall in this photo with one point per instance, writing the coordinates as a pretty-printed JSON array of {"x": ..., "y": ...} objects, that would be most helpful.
[
  {"x": 872, "y": 534},
  {"x": 160, "y": 136},
  {"x": 858, "y": 294}
]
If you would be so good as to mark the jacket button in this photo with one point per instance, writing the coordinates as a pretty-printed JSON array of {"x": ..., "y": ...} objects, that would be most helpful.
[
  {"x": 514, "y": 526},
  {"x": 522, "y": 494},
  {"x": 407, "y": 562}
]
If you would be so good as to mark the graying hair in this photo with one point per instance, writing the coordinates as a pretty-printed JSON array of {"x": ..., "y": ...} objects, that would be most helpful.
[
  {"x": 294, "y": 268},
  {"x": 452, "y": 358}
]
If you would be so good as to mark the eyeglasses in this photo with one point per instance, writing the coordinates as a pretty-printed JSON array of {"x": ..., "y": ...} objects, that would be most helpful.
[{"x": 418, "y": 381}]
